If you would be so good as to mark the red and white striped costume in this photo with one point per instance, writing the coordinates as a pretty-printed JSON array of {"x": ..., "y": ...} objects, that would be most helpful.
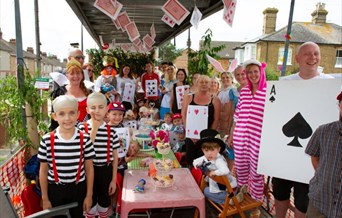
[{"x": 246, "y": 138}]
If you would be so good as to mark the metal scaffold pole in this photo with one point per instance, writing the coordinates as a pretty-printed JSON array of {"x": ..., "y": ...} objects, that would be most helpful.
[{"x": 20, "y": 58}]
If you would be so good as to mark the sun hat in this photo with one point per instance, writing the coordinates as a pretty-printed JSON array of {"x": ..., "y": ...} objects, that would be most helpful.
[
  {"x": 116, "y": 106},
  {"x": 211, "y": 135},
  {"x": 251, "y": 61}
]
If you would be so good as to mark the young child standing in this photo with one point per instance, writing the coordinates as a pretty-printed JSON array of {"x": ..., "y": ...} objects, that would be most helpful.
[
  {"x": 167, "y": 125},
  {"x": 212, "y": 146},
  {"x": 116, "y": 113},
  {"x": 66, "y": 161},
  {"x": 105, "y": 142}
]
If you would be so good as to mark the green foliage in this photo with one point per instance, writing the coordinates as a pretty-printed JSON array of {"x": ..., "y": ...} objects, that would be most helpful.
[
  {"x": 168, "y": 52},
  {"x": 136, "y": 61},
  {"x": 198, "y": 61},
  {"x": 11, "y": 99},
  {"x": 271, "y": 75}
]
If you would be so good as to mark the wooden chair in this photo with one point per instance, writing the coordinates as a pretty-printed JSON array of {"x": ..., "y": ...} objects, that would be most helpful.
[{"x": 238, "y": 208}]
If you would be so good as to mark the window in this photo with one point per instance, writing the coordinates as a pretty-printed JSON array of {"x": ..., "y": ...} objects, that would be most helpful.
[
  {"x": 338, "y": 59},
  {"x": 281, "y": 56}
]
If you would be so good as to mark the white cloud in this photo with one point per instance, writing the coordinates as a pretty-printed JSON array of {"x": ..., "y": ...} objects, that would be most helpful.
[{"x": 59, "y": 26}]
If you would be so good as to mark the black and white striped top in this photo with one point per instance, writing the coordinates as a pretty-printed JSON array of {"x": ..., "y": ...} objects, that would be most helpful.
[
  {"x": 67, "y": 156},
  {"x": 100, "y": 143}
]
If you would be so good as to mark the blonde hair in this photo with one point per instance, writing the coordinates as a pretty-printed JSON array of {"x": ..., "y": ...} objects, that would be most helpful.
[
  {"x": 64, "y": 101},
  {"x": 96, "y": 96},
  {"x": 201, "y": 78},
  {"x": 167, "y": 78},
  {"x": 215, "y": 79}
]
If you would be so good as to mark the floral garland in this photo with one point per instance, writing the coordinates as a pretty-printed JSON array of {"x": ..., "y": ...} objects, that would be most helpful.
[{"x": 159, "y": 136}]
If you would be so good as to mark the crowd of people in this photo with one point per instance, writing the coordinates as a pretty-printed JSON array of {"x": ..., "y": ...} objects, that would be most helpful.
[{"x": 89, "y": 116}]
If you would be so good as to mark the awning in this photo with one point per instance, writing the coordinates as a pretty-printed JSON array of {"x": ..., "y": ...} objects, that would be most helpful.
[{"x": 143, "y": 13}]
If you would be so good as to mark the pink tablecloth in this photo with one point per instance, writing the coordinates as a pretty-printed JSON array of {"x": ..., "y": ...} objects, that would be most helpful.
[{"x": 185, "y": 193}]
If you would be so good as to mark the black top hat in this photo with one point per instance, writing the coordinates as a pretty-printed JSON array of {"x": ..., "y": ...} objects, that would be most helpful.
[{"x": 211, "y": 135}]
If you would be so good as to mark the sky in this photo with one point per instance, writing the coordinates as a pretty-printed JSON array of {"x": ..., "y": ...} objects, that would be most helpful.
[{"x": 59, "y": 26}]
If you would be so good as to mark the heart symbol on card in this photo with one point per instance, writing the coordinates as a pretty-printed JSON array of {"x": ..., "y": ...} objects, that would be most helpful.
[
  {"x": 179, "y": 90},
  {"x": 129, "y": 92},
  {"x": 195, "y": 132},
  {"x": 180, "y": 94},
  {"x": 196, "y": 111},
  {"x": 128, "y": 98}
]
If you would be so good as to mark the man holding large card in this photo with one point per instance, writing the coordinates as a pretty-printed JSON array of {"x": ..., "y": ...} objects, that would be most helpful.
[
  {"x": 150, "y": 82},
  {"x": 308, "y": 57}
]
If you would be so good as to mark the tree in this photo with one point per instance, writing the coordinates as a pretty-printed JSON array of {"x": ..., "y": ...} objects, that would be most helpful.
[
  {"x": 168, "y": 52},
  {"x": 198, "y": 61}
]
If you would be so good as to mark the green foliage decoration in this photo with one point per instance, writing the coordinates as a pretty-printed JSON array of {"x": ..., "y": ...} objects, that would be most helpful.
[
  {"x": 168, "y": 52},
  {"x": 135, "y": 60},
  {"x": 11, "y": 99},
  {"x": 198, "y": 61}
]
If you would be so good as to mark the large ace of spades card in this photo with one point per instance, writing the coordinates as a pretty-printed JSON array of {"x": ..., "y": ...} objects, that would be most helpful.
[
  {"x": 196, "y": 121},
  {"x": 124, "y": 140},
  {"x": 293, "y": 111},
  {"x": 151, "y": 88}
]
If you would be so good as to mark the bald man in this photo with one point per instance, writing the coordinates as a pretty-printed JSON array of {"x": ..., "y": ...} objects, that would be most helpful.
[
  {"x": 77, "y": 54},
  {"x": 308, "y": 58}
]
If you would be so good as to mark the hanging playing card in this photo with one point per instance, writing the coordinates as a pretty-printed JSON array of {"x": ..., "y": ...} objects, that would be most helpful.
[
  {"x": 196, "y": 17},
  {"x": 148, "y": 41},
  {"x": 153, "y": 31},
  {"x": 117, "y": 24},
  {"x": 108, "y": 8},
  {"x": 300, "y": 106},
  {"x": 123, "y": 20},
  {"x": 229, "y": 12},
  {"x": 132, "y": 31},
  {"x": 175, "y": 10},
  {"x": 168, "y": 20}
]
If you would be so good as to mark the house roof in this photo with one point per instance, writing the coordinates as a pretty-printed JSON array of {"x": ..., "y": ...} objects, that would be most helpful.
[
  {"x": 11, "y": 49},
  {"x": 143, "y": 12},
  {"x": 328, "y": 33},
  {"x": 228, "y": 51}
]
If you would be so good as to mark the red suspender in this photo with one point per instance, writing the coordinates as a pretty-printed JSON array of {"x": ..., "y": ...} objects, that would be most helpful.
[
  {"x": 86, "y": 127},
  {"x": 52, "y": 142},
  {"x": 80, "y": 163},
  {"x": 108, "y": 143}
]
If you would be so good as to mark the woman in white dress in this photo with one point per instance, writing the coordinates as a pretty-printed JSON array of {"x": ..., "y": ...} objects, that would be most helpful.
[{"x": 125, "y": 76}]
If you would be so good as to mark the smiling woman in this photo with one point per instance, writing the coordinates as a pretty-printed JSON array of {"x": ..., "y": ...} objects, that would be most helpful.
[{"x": 75, "y": 88}]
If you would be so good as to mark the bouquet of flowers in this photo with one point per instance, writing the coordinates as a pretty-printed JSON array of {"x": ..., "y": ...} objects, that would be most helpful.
[{"x": 159, "y": 137}]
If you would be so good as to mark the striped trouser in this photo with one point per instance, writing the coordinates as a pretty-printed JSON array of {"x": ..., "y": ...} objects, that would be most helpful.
[{"x": 246, "y": 162}]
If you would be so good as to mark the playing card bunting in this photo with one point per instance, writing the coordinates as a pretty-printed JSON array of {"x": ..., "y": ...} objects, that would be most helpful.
[
  {"x": 175, "y": 10},
  {"x": 159, "y": 136},
  {"x": 108, "y": 7},
  {"x": 195, "y": 17},
  {"x": 229, "y": 11}
]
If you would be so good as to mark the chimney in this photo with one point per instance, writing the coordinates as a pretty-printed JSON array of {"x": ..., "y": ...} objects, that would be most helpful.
[
  {"x": 44, "y": 54},
  {"x": 12, "y": 41},
  {"x": 30, "y": 49},
  {"x": 270, "y": 19},
  {"x": 319, "y": 16}
]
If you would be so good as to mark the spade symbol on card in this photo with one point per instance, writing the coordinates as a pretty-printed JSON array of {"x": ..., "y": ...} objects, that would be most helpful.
[
  {"x": 297, "y": 127},
  {"x": 272, "y": 99}
]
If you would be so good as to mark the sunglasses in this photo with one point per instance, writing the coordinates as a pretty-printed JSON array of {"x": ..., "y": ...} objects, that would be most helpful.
[{"x": 79, "y": 57}]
